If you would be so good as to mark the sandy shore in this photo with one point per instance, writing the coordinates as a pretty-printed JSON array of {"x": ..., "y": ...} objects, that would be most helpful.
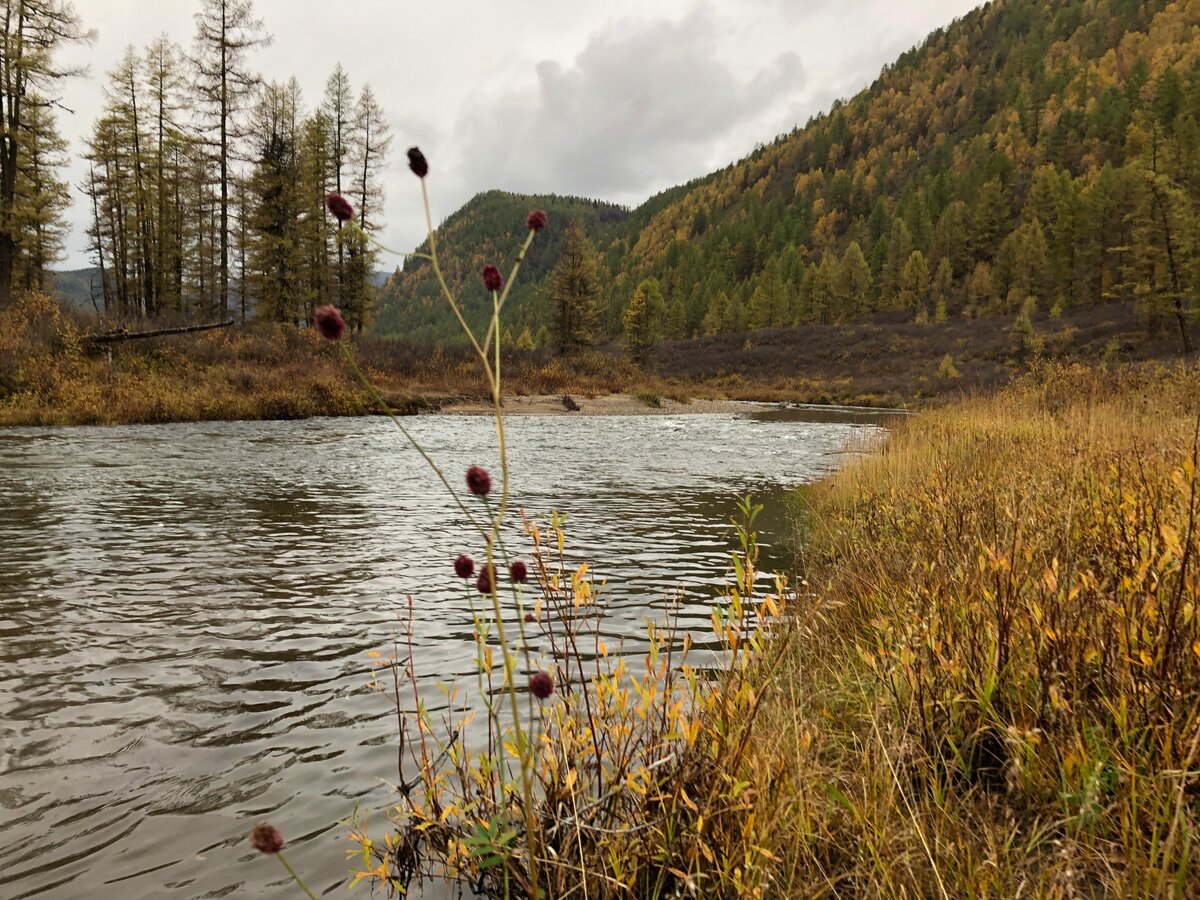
[{"x": 608, "y": 405}]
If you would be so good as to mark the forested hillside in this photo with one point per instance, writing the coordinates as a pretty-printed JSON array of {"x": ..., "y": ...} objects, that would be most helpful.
[
  {"x": 1031, "y": 156},
  {"x": 488, "y": 229}
]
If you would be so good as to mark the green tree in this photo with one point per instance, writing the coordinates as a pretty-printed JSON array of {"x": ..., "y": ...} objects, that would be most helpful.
[
  {"x": 574, "y": 289},
  {"x": 914, "y": 285},
  {"x": 852, "y": 283},
  {"x": 643, "y": 320}
]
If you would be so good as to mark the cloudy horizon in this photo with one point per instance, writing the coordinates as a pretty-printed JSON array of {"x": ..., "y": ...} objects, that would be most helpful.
[{"x": 615, "y": 103}]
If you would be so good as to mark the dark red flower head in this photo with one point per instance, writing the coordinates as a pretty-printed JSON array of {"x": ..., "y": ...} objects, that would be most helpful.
[
  {"x": 492, "y": 279},
  {"x": 483, "y": 583},
  {"x": 536, "y": 220},
  {"x": 339, "y": 207},
  {"x": 529, "y": 617},
  {"x": 520, "y": 574},
  {"x": 464, "y": 566},
  {"x": 417, "y": 162},
  {"x": 541, "y": 685},
  {"x": 329, "y": 322},
  {"x": 266, "y": 839},
  {"x": 479, "y": 482}
]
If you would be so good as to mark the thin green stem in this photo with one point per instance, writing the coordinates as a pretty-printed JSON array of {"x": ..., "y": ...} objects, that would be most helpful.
[
  {"x": 295, "y": 877},
  {"x": 437, "y": 270},
  {"x": 512, "y": 277},
  {"x": 345, "y": 348}
]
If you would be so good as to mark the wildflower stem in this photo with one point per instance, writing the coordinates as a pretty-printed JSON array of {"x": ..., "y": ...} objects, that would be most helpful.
[
  {"x": 437, "y": 270},
  {"x": 295, "y": 877},
  {"x": 404, "y": 431},
  {"x": 512, "y": 276}
]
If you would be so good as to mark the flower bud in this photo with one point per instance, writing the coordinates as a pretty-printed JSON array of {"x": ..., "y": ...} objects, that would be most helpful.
[
  {"x": 339, "y": 207},
  {"x": 417, "y": 162},
  {"x": 541, "y": 685},
  {"x": 464, "y": 566},
  {"x": 329, "y": 322},
  {"x": 266, "y": 839},
  {"x": 520, "y": 574},
  {"x": 484, "y": 583},
  {"x": 536, "y": 220},
  {"x": 492, "y": 279},
  {"x": 479, "y": 482}
]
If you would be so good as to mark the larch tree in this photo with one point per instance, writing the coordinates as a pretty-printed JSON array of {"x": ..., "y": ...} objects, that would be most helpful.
[
  {"x": 226, "y": 32},
  {"x": 369, "y": 152},
  {"x": 42, "y": 199},
  {"x": 338, "y": 107},
  {"x": 33, "y": 33},
  {"x": 165, "y": 87}
]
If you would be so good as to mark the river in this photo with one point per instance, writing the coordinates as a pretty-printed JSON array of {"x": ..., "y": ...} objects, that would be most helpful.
[{"x": 186, "y": 613}]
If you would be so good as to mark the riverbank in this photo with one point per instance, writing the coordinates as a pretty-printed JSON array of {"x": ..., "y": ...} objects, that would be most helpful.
[
  {"x": 51, "y": 375},
  {"x": 994, "y": 692}
]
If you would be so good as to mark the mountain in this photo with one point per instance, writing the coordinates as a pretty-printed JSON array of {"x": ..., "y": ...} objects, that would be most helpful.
[
  {"x": 74, "y": 286},
  {"x": 490, "y": 228},
  {"x": 77, "y": 287},
  {"x": 1030, "y": 155}
]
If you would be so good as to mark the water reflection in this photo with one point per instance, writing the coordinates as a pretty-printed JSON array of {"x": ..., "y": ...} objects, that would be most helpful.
[{"x": 186, "y": 611}]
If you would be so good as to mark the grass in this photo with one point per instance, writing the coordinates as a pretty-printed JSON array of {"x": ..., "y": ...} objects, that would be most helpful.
[
  {"x": 997, "y": 690},
  {"x": 988, "y": 685},
  {"x": 50, "y": 375}
]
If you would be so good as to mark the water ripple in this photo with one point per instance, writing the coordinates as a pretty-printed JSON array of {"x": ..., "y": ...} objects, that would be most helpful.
[{"x": 186, "y": 612}]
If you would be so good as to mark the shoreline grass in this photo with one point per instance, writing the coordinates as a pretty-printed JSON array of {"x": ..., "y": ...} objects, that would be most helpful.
[
  {"x": 998, "y": 690},
  {"x": 49, "y": 375}
]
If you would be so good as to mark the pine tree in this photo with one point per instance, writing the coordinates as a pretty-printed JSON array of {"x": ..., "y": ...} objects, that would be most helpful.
[
  {"x": 165, "y": 87},
  {"x": 275, "y": 207},
  {"x": 852, "y": 283},
  {"x": 914, "y": 285},
  {"x": 574, "y": 289},
  {"x": 643, "y": 320},
  {"x": 42, "y": 199}
]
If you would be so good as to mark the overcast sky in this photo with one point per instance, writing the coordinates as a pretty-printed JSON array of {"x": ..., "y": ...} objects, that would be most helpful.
[{"x": 616, "y": 99}]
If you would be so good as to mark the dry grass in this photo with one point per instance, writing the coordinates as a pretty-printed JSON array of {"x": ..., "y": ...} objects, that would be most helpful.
[{"x": 999, "y": 693}]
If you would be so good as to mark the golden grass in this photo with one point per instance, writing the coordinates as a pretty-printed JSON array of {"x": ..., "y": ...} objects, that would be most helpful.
[{"x": 998, "y": 693}]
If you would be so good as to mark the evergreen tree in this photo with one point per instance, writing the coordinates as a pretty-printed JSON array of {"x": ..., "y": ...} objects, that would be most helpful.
[
  {"x": 643, "y": 320},
  {"x": 914, "y": 285},
  {"x": 574, "y": 289},
  {"x": 852, "y": 283}
]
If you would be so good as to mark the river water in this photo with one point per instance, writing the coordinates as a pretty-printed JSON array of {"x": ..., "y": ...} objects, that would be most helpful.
[{"x": 186, "y": 613}]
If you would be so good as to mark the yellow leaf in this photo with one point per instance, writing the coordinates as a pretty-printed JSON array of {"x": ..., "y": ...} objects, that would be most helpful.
[{"x": 374, "y": 654}]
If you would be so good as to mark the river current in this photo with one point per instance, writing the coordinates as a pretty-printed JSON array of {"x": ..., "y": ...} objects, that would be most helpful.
[{"x": 186, "y": 613}]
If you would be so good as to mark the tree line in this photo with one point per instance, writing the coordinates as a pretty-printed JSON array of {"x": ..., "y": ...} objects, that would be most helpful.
[{"x": 206, "y": 186}]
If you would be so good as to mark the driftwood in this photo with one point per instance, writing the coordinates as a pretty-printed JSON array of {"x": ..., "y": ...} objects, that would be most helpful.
[{"x": 114, "y": 337}]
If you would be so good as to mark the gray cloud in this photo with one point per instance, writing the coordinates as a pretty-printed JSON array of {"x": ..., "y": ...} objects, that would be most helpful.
[
  {"x": 643, "y": 103},
  {"x": 634, "y": 96}
]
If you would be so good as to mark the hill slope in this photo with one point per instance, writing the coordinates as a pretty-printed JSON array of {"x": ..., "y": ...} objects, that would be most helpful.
[
  {"x": 1044, "y": 150},
  {"x": 490, "y": 228}
]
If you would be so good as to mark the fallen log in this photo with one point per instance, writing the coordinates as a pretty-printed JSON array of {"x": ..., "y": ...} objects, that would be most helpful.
[{"x": 113, "y": 337}]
